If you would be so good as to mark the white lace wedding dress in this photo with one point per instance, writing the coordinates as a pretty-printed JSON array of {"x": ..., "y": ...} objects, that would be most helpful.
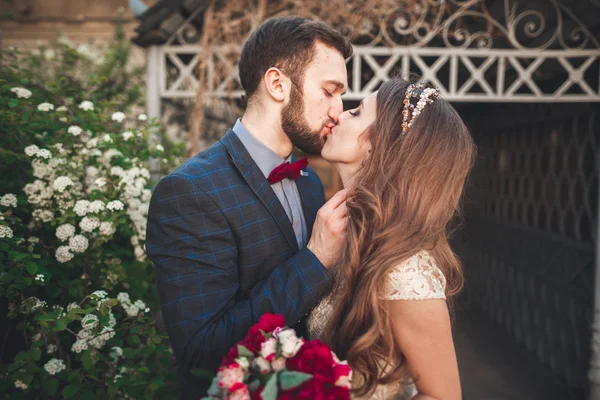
[{"x": 417, "y": 278}]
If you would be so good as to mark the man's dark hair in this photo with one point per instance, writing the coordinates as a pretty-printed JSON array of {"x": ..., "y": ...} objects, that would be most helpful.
[{"x": 287, "y": 43}]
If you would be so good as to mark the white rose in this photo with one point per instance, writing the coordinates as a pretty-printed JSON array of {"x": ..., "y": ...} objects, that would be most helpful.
[
  {"x": 263, "y": 365},
  {"x": 268, "y": 348}
]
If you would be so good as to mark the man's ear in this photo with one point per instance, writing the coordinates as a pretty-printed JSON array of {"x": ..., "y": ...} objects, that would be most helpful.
[{"x": 277, "y": 84}]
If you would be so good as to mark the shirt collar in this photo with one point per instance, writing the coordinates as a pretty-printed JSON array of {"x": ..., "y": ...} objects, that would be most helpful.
[{"x": 264, "y": 157}]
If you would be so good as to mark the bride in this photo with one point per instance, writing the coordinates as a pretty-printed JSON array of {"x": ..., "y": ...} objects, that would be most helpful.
[{"x": 405, "y": 154}]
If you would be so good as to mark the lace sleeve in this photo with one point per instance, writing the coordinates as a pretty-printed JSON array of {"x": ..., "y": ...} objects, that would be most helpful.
[{"x": 417, "y": 278}]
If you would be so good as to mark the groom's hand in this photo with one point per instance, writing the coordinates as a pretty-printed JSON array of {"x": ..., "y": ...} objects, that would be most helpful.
[{"x": 329, "y": 231}]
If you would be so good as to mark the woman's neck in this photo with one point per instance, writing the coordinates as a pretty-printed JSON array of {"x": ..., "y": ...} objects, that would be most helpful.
[{"x": 347, "y": 173}]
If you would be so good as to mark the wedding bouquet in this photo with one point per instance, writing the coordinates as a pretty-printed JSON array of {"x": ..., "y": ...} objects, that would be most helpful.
[{"x": 273, "y": 363}]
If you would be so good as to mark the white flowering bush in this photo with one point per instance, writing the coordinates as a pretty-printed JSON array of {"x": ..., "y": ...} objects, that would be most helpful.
[{"x": 73, "y": 210}]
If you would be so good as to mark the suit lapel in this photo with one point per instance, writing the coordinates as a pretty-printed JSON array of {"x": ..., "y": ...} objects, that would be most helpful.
[
  {"x": 259, "y": 185},
  {"x": 309, "y": 205}
]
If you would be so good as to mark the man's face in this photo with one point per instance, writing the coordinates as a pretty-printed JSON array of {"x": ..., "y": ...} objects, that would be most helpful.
[{"x": 314, "y": 110}]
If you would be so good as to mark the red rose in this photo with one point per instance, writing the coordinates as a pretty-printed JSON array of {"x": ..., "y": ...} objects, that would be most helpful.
[
  {"x": 317, "y": 388},
  {"x": 256, "y": 395},
  {"x": 267, "y": 323},
  {"x": 313, "y": 357}
]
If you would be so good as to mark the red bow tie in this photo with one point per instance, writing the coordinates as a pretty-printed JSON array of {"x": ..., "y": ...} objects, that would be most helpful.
[{"x": 287, "y": 170}]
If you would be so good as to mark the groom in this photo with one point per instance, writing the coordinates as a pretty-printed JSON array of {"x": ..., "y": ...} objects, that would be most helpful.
[{"x": 232, "y": 239}]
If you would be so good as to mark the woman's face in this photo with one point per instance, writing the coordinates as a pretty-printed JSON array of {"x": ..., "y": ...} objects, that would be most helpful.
[{"x": 346, "y": 143}]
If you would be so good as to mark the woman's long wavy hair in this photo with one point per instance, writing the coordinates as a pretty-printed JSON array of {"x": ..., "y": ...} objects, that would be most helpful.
[{"x": 404, "y": 197}]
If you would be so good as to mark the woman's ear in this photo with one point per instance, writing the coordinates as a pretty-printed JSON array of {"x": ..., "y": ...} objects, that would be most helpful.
[{"x": 277, "y": 84}]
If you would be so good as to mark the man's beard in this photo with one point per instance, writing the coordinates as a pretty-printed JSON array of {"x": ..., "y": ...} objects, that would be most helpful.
[{"x": 296, "y": 127}]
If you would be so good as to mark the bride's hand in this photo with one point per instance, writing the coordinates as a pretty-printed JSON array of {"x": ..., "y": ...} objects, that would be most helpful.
[{"x": 329, "y": 231}]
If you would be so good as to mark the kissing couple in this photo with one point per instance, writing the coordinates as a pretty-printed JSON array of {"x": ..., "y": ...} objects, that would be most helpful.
[{"x": 243, "y": 229}]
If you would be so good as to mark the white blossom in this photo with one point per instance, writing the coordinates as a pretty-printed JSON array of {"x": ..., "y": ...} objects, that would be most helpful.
[
  {"x": 107, "y": 228},
  {"x": 127, "y": 135},
  {"x": 146, "y": 195},
  {"x": 20, "y": 385},
  {"x": 31, "y": 150},
  {"x": 79, "y": 346},
  {"x": 75, "y": 130},
  {"x": 92, "y": 143},
  {"x": 71, "y": 306},
  {"x": 63, "y": 119},
  {"x": 62, "y": 109},
  {"x": 159, "y": 147},
  {"x": 44, "y": 153},
  {"x": 88, "y": 224},
  {"x": 5, "y": 232},
  {"x": 37, "y": 192},
  {"x": 8, "y": 200},
  {"x": 100, "y": 340},
  {"x": 96, "y": 206},
  {"x": 78, "y": 244},
  {"x": 82, "y": 207},
  {"x": 107, "y": 138},
  {"x": 101, "y": 294},
  {"x": 43, "y": 215},
  {"x": 139, "y": 253},
  {"x": 140, "y": 304},
  {"x": 115, "y": 205},
  {"x": 63, "y": 254},
  {"x": 61, "y": 183},
  {"x": 36, "y": 337},
  {"x": 123, "y": 297},
  {"x": 55, "y": 366},
  {"x": 21, "y": 92},
  {"x": 65, "y": 231},
  {"x": 142, "y": 117},
  {"x": 86, "y": 105},
  {"x": 110, "y": 153},
  {"x": 100, "y": 182},
  {"x": 39, "y": 278},
  {"x": 45, "y": 107},
  {"x": 91, "y": 171},
  {"x": 112, "y": 321},
  {"x": 41, "y": 169},
  {"x": 89, "y": 322},
  {"x": 118, "y": 116},
  {"x": 118, "y": 351},
  {"x": 118, "y": 171},
  {"x": 51, "y": 348}
]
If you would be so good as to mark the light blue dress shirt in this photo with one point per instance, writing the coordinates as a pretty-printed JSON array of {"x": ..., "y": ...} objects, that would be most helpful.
[{"x": 286, "y": 190}]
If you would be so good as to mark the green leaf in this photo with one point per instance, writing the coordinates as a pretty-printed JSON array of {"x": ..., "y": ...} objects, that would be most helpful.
[
  {"x": 292, "y": 379},
  {"x": 269, "y": 392},
  {"x": 36, "y": 354},
  {"x": 243, "y": 351},
  {"x": 51, "y": 316},
  {"x": 215, "y": 389},
  {"x": 149, "y": 349},
  {"x": 32, "y": 267},
  {"x": 61, "y": 324},
  {"x": 70, "y": 391},
  {"x": 86, "y": 360},
  {"x": 50, "y": 386}
]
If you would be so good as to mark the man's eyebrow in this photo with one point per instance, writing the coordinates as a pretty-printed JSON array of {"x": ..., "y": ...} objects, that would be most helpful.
[{"x": 338, "y": 84}]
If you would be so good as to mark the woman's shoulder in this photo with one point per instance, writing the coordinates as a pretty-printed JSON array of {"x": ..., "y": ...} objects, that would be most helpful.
[{"x": 416, "y": 278}]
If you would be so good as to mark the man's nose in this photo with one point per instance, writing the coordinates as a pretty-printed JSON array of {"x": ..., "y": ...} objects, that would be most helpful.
[{"x": 335, "y": 110}]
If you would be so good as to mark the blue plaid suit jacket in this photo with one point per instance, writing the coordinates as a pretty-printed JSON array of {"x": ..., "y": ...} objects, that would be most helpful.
[{"x": 225, "y": 253}]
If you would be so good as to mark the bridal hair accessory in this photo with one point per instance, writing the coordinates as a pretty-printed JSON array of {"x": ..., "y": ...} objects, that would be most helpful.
[{"x": 425, "y": 96}]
